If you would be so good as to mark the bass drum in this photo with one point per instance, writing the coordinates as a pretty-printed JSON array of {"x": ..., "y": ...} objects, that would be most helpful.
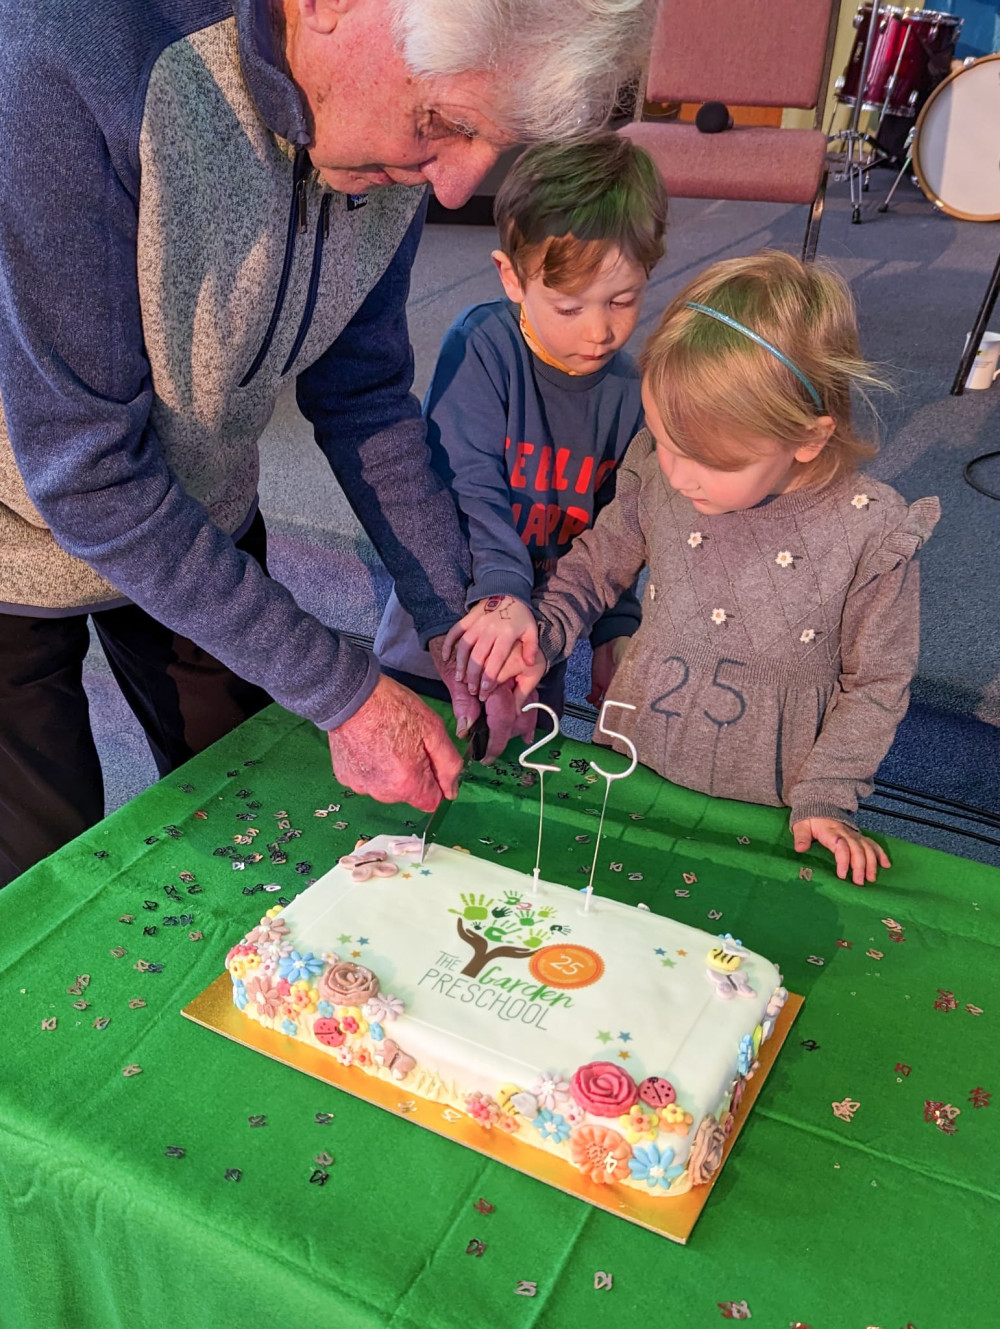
[{"x": 956, "y": 145}]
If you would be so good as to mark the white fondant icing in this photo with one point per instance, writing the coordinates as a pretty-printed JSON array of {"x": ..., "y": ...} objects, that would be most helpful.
[{"x": 455, "y": 938}]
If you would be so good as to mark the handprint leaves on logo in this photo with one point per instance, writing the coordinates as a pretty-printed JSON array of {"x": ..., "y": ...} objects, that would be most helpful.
[{"x": 474, "y": 908}]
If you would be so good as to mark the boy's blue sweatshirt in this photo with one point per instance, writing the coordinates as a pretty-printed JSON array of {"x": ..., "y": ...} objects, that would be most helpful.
[{"x": 530, "y": 453}]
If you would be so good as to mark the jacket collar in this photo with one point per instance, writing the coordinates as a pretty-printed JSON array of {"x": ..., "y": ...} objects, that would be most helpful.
[{"x": 276, "y": 97}]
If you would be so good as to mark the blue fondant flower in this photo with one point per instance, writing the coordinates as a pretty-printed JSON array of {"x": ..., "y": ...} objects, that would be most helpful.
[
  {"x": 240, "y": 993},
  {"x": 746, "y": 1054},
  {"x": 551, "y": 1126},
  {"x": 325, "y": 1009},
  {"x": 289, "y": 1027},
  {"x": 296, "y": 966},
  {"x": 376, "y": 1032},
  {"x": 654, "y": 1165}
]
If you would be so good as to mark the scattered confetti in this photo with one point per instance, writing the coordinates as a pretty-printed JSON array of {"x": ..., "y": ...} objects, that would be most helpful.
[
  {"x": 845, "y": 945},
  {"x": 234, "y": 1174},
  {"x": 324, "y": 1159},
  {"x": 50, "y": 1023},
  {"x": 102, "y": 1022},
  {"x": 196, "y": 936},
  {"x": 815, "y": 959},
  {"x": 524, "y": 1289},
  {"x": 979, "y": 1098},
  {"x": 805, "y": 874},
  {"x": 734, "y": 1310},
  {"x": 715, "y": 914},
  {"x": 602, "y": 1281},
  {"x": 483, "y": 1206},
  {"x": 118, "y": 952},
  {"x": 945, "y": 1001},
  {"x": 257, "y": 1120},
  {"x": 129, "y": 1071},
  {"x": 942, "y": 1115},
  {"x": 810, "y": 1045},
  {"x": 476, "y": 1248},
  {"x": 973, "y": 1010},
  {"x": 742, "y": 839},
  {"x": 174, "y": 1151},
  {"x": 318, "y": 1177},
  {"x": 845, "y": 1110},
  {"x": 324, "y": 1118},
  {"x": 81, "y": 1005},
  {"x": 127, "y": 918},
  {"x": 689, "y": 878},
  {"x": 683, "y": 895},
  {"x": 902, "y": 1068},
  {"x": 407, "y": 1105},
  {"x": 451, "y": 1115},
  {"x": 874, "y": 954}
]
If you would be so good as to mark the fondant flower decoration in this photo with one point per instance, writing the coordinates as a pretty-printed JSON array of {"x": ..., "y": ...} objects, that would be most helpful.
[
  {"x": 240, "y": 994},
  {"x": 603, "y": 1089},
  {"x": 303, "y": 997},
  {"x": 289, "y": 1027},
  {"x": 362, "y": 1057},
  {"x": 349, "y": 1024},
  {"x": 482, "y": 1108},
  {"x": 374, "y": 1009},
  {"x": 705, "y": 1157},
  {"x": 324, "y": 1008},
  {"x": 376, "y": 1032},
  {"x": 574, "y": 1114},
  {"x": 271, "y": 928},
  {"x": 236, "y": 951},
  {"x": 550, "y": 1089},
  {"x": 860, "y": 501},
  {"x": 778, "y": 998},
  {"x": 348, "y": 984},
  {"x": 268, "y": 966},
  {"x": 505, "y": 1122},
  {"x": 654, "y": 1165},
  {"x": 639, "y": 1124},
  {"x": 551, "y": 1126},
  {"x": 695, "y": 539},
  {"x": 526, "y": 1104},
  {"x": 737, "y": 1097},
  {"x": 282, "y": 948},
  {"x": 344, "y": 1055},
  {"x": 264, "y": 996},
  {"x": 283, "y": 987},
  {"x": 242, "y": 965},
  {"x": 600, "y": 1153},
  {"x": 329, "y": 957},
  {"x": 295, "y": 966},
  {"x": 808, "y": 635},
  {"x": 273, "y": 912},
  {"x": 719, "y": 617},
  {"x": 746, "y": 1054},
  {"x": 674, "y": 1118},
  {"x": 785, "y": 559},
  {"x": 394, "y": 1007}
]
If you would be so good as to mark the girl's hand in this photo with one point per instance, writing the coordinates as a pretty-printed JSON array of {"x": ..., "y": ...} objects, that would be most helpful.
[
  {"x": 526, "y": 678},
  {"x": 607, "y": 657},
  {"x": 485, "y": 637},
  {"x": 853, "y": 851}
]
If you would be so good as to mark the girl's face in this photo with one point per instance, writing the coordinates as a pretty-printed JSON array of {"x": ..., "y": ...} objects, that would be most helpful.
[{"x": 770, "y": 468}]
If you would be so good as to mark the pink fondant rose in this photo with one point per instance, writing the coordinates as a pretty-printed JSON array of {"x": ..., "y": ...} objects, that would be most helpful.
[
  {"x": 604, "y": 1089},
  {"x": 706, "y": 1152},
  {"x": 347, "y": 984}
]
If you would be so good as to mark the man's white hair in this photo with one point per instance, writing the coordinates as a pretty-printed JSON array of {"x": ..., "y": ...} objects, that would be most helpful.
[{"x": 559, "y": 62}]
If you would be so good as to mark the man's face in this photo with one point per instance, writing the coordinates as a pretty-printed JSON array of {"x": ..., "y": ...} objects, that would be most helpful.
[{"x": 373, "y": 122}]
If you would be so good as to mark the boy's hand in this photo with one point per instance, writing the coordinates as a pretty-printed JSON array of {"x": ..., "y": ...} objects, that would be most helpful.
[
  {"x": 853, "y": 851},
  {"x": 607, "y": 657},
  {"x": 503, "y": 712},
  {"x": 485, "y": 637}
]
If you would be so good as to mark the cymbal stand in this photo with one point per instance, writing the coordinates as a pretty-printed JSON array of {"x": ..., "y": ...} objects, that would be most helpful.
[
  {"x": 907, "y": 163},
  {"x": 856, "y": 163}
]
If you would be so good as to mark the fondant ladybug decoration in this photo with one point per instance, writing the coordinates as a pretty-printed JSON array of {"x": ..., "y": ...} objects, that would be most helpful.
[
  {"x": 329, "y": 1032},
  {"x": 656, "y": 1092}
]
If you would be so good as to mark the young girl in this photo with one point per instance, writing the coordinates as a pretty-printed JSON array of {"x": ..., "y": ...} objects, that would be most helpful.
[{"x": 780, "y": 619}]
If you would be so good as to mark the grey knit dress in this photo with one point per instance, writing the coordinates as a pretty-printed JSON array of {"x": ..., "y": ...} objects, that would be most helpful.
[{"x": 777, "y": 644}]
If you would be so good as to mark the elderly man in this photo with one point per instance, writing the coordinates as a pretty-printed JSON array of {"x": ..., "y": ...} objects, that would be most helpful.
[{"x": 201, "y": 200}]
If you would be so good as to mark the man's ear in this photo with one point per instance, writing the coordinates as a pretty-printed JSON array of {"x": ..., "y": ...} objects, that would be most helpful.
[
  {"x": 819, "y": 435},
  {"x": 322, "y": 16},
  {"x": 508, "y": 277}
]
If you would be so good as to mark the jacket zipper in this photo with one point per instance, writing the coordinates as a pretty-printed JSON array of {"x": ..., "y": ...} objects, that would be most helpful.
[
  {"x": 297, "y": 221},
  {"x": 322, "y": 230}
]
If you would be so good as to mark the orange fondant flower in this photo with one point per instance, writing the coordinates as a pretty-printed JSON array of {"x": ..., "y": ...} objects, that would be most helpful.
[
  {"x": 674, "y": 1118},
  {"x": 600, "y": 1153}
]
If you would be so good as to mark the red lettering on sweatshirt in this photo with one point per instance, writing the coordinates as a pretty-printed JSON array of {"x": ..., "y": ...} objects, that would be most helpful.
[
  {"x": 583, "y": 479},
  {"x": 575, "y": 521},
  {"x": 517, "y": 477},
  {"x": 542, "y": 521},
  {"x": 562, "y": 457}
]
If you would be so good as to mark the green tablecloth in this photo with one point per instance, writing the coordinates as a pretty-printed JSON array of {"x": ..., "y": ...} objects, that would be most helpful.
[{"x": 884, "y": 1219}]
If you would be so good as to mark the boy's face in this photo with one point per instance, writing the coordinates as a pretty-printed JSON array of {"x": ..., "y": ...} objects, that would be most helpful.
[
  {"x": 770, "y": 468},
  {"x": 584, "y": 329}
]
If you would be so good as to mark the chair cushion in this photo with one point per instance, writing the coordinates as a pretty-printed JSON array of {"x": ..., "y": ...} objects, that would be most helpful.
[{"x": 756, "y": 163}]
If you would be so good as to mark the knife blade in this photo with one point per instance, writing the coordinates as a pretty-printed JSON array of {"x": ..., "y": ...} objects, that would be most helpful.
[{"x": 475, "y": 750}]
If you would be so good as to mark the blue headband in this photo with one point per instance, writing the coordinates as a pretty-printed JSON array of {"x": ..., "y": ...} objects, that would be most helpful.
[{"x": 755, "y": 336}]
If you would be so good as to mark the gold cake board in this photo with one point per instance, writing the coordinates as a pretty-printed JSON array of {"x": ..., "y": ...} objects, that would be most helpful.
[{"x": 214, "y": 1009}]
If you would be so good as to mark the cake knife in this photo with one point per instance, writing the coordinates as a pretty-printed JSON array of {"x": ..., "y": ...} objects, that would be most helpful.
[{"x": 475, "y": 750}]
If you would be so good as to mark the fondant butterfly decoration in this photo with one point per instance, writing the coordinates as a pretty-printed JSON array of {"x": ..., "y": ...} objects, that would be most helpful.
[{"x": 731, "y": 985}]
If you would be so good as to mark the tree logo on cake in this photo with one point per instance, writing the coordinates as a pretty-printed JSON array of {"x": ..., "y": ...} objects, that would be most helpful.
[{"x": 513, "y": 928}]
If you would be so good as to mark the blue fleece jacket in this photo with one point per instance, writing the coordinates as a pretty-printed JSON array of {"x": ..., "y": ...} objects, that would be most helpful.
[{"x": 169, "y": 262}]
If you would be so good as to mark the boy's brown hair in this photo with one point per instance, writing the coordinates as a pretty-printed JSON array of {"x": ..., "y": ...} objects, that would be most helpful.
[
  {"x": 563, "y": 208},
  {"x": 717, "y": 391}
]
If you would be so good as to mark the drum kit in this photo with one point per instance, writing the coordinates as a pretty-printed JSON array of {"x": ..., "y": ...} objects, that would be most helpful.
[{"x": 901, "y": 69}]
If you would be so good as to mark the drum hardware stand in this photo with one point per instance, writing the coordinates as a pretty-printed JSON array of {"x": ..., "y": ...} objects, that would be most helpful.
[
  {"x": 856, "y": 165},
  {"x": 976, "y": 336},
  {"x": 908, "y": 162}
]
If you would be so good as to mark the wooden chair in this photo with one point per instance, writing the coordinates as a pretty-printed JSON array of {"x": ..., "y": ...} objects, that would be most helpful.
[{"x": 770, "y": 53}]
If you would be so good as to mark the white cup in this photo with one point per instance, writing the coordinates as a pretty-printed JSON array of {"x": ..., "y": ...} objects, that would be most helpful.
[{"x": 984, "y": 367}]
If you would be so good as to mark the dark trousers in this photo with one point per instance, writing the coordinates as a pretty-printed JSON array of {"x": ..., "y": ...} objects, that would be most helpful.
[{"x": 51, "y": 786}]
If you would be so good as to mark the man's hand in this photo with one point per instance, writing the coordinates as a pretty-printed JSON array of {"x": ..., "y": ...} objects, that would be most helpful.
[
  {"x": 607, "y": 657},
  {"x": 853, "y": 851},
  {"x": 483, "y": 639},
  {"x": 502, "y": 710},
  {"x": 396, "y": 750}
]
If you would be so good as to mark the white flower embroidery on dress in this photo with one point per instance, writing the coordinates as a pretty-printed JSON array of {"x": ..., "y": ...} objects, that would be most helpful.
[
  {"x": 860, "y": 501},
  {"x": 809, "y": 634},
  {"x": 785, "y": 559},
  {"x": 652, "y": 591},
  {"x": 718, "y": 616},
  {"x": 695, "y": 539}
]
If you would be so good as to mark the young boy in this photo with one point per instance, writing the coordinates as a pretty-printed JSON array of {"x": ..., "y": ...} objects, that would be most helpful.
[{"x": 533, "y": 402}]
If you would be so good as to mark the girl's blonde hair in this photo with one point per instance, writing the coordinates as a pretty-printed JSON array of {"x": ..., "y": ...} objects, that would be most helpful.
[{"x": 718, "y": 392}]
